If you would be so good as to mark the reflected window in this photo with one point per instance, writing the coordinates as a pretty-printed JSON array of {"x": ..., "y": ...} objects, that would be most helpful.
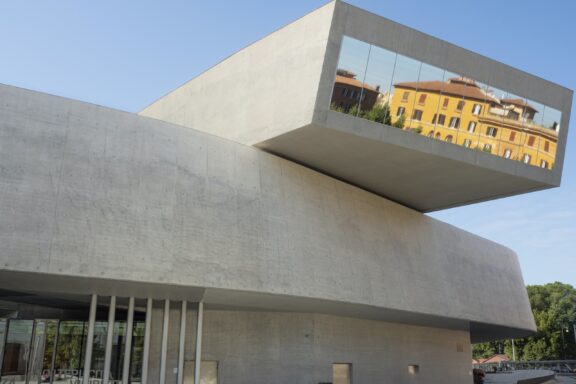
[
  {"x": 445, "y": 103},
  {"x": 17, "y": 350},
  {"x": 441, "y": 119},
  {"x": 471, "y": 126},
  {"x": 400, "y": 111},
  {"x": 487, "y": 148},
  {"x": 422, "y": 99},
  {"x": 491, "y": 131},
  {"x": 512, "y": 136},
  {"x": 417, "y": 115},
  {"x": 476, "y": 109},
  {"x": 460, "y": 105},
  {"x": 449, "y": 138},
  {"x": 531, "y": 140},
  {"x": 349, "y": 81},
  {"x": 467, "y": 143},
  {"x": 526, "y": 159},
  {"x": 455, "y": 122},
  {"x": 507, "y": 153}
]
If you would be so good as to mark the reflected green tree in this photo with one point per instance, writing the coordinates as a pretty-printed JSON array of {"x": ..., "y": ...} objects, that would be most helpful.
[{"x": 378, "y": 113}]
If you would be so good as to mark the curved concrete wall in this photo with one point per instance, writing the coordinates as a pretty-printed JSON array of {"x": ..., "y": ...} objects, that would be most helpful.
[
  {"x": 265, "y": 347},
  {"x": 96, "y": 193}
]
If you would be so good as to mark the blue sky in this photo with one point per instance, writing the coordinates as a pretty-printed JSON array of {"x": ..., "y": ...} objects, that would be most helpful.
[{"x": 125, "y": 54}]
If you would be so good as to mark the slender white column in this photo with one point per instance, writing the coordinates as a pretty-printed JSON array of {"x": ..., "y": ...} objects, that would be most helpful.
[
  {"x": 181, "y": 350},
  {"x": 109, "y": 337},
  {"x": 89, "y": 340},
  {"x": 128, "y": 343},
  {"x": 146, "y": 351},
  {"x": 198, "y": 357},
  {"x": 164, "y": 349}
]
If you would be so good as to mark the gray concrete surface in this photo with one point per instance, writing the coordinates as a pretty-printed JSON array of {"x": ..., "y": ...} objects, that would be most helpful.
[
  {"x": 88, "y": 192},
  {"x": 261, "y": 91},
  {"x": 264, "y": 347}
]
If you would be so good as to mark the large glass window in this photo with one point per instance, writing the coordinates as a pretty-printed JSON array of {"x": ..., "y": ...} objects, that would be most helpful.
[
  {"x": 380, "y": 85},
  {"x": 70, "y": 350},
  {"x": 17, "y": 350},
  {"x": 349, "y": 84}
]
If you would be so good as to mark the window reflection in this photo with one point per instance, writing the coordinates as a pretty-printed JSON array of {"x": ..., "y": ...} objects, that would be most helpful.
[
  {"x": 392, "y": 89},
  {"x": 17, "y": 350},
  {"x": 349, "y": 88}
]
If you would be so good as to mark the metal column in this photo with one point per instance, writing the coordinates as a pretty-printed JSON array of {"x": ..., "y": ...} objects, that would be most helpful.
[
  {"x": 181, "y": 349},
  {"x": 109, "y": 337},
  {"x": 128, "y": 344},
  {"x": 146, "y": 351},
  {"x": 90, "y": 340},
  {"x": 164, "y": 349},
  {"x": 198, "y": 357}
]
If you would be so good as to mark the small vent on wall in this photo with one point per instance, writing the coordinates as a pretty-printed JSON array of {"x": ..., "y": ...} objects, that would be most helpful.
[{"x": 413, "y": 369}]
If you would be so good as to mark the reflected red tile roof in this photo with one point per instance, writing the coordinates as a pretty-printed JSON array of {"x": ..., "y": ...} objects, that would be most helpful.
[
  {"x": 519, "y": 102},
  {"x": 354, "y": 82},
  {"x": 454, "y": 89},
  {"x": 496, "y": 359}
]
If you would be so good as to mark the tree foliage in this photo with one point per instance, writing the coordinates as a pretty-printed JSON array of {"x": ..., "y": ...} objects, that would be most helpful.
[
  {"x": 554, "y": 309},
  {"x": 378, "y": 113}
]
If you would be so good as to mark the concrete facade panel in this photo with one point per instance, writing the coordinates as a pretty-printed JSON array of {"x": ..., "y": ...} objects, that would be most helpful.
[
  {"x": 241, "y": 95},
  {"x": 268, "y": 347},
  {"x": 166, "y": 204}
]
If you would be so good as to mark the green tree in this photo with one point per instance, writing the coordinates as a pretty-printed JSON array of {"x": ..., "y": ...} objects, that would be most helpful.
[
  {"x": 554, "y": 309},
  {"x": 400, "y": 122},
  {"x": 483, "y": 350},
  {"x": 379, "y": 114}
]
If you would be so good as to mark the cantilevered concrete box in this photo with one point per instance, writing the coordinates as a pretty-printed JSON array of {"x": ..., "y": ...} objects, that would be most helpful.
[{"x": 276, "y": 94}]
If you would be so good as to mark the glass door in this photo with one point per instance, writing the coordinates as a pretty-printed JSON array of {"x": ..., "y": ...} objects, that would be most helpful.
[
  {"x": 42, "y": 351},
  {"x": 17, "y": 348}
]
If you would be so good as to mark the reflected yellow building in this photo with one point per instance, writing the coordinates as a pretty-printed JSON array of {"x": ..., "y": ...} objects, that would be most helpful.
[{"x": 461, "y": 112}]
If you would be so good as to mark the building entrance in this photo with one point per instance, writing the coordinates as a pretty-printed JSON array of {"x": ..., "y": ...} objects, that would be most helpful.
[{"x": 52, "y": 350}]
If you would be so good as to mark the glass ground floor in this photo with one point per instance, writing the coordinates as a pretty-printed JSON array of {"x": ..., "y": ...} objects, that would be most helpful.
[
  {"x": 52, "y": 350},
  {"x": 64, "y": 338},
  {"x": 44, "y": 339}
]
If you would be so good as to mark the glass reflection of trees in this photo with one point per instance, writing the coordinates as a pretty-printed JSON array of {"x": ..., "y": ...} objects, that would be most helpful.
[
  {"x": 53, "y": 351},
  {"x": 392, "y": 89}
]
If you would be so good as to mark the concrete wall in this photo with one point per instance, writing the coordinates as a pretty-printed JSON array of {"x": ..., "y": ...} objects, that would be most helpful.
[
  {"x": 259, "y": 92},
  {"x": 265, "y": 347},
  {"x": 91, "y": 192}
]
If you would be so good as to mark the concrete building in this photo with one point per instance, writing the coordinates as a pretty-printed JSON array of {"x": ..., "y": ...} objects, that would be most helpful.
[{"x": 280, "y": 241}]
